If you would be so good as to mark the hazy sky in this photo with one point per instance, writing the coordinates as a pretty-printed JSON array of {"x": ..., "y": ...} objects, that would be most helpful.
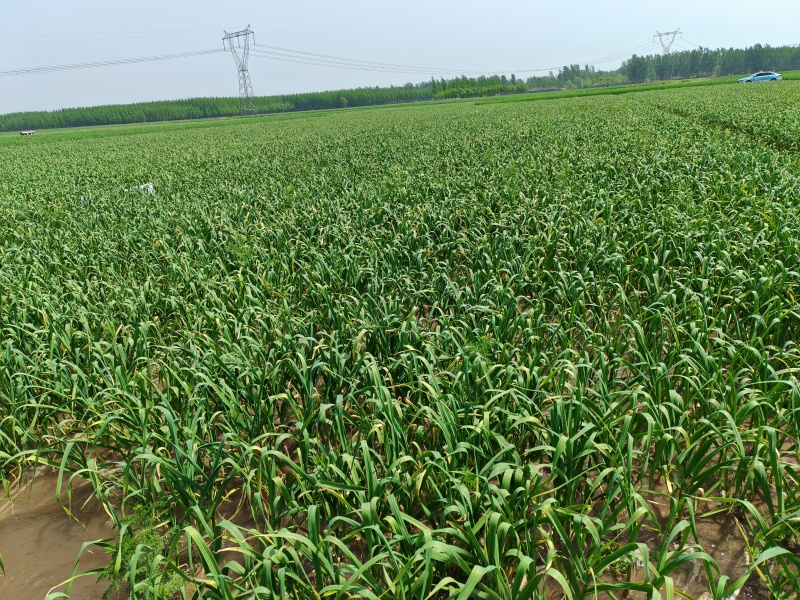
[{"x": 501, "y": 36}]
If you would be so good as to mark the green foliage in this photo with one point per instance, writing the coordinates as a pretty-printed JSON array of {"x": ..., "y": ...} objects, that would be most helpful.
[
  {"x": 142, "y": 543},
  {"x": 705, "y": 62},
  {"x": 494, "y": 350},
  {"x": 473, "y": 87}
]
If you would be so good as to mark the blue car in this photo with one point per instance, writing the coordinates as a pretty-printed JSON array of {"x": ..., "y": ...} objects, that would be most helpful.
[{"x": 761, "y": 76}]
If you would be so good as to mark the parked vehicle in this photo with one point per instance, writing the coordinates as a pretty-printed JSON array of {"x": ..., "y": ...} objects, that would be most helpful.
[{"x": 761, "y": 76}]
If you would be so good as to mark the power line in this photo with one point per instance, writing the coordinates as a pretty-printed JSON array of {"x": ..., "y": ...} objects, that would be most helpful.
[
  {"x": 350, "y": 62},
  {"x": 353, "y": 67},
  {"x": 692, "y": 43},
  {"x": 293, "y": 56},
  {"x": 301, "y": 57},
  {"x": 327, "y": 60},
  {"x": 339, "y": 65},
  {"x": 199, "y": 31},
  {"x": 105, "y": 63},
  {"x": 115, "y": 33},
  {"x": 96, "y": 39},
  {"x": 624, "y": 54},
  {"x": 684, "y": 47},
  {"x": 415, "y": 46}
]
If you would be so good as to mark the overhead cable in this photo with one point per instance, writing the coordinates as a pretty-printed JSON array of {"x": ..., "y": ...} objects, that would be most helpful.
[
  {"x": 114, "y": 33},
  {"x": 309, "y": 58},
  {"x": 106, "y": 63},
  {"x": 327, "y": 60},
  {"x": 313, "y": 58},
  {"x": 115, "y": 38},
  {"x": 620, "y": 55}
]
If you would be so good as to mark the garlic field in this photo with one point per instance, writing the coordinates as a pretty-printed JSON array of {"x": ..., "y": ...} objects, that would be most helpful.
[{"x": 507, "y": 351}]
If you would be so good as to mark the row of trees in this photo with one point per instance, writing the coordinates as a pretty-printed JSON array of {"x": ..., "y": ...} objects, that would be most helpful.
[
  {"x": 575, "y": 76},
  {"x": 472, "y": 87},
  {"x": 702, "y": 62},
  {"x": 705, "y": 62},
  {"x": 203, "y": 108}
]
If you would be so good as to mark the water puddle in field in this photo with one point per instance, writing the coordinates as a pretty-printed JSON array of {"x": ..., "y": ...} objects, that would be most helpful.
[
  {"x": 721, "y": 538},
  {"x": 39, "y": 542}
]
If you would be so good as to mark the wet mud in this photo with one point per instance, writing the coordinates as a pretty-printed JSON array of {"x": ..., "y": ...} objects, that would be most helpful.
[
  {"x": 39, "y": 541},
  {"x": 722, "y": 539}
]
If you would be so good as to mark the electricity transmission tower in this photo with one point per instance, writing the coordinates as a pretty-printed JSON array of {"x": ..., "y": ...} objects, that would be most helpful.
[
  {"x": 238, "y": 43},
  {"x": 667, "y": 39}
]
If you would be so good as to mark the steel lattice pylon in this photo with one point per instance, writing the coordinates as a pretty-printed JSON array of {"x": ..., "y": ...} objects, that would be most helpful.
[
  {"x": 241, "y": 52},
  {"x": 667, "y": 39}
]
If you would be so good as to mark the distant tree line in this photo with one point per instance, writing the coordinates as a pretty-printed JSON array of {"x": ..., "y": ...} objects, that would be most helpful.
[
  {"x": 702, "y": 62},
  {"x": 200, "y": 108},
  {"x": 203, "y": 108}
]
